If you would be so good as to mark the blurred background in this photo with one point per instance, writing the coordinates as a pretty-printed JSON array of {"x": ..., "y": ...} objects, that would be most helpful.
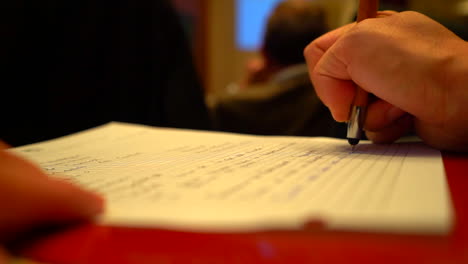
[{"x": 226, "y": 34}]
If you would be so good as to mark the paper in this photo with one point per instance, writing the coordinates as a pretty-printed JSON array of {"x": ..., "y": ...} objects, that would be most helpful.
[{"x": 208, "y": 181}]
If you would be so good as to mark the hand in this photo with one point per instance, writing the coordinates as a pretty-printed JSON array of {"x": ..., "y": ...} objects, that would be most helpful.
[
  {"x": 29, "y": 198},
  {"x": 416, "y": 68}
]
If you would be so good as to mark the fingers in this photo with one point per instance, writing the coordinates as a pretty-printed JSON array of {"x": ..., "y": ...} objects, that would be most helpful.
[
  {"x": 66, "y": 201},
  {"x": 354, "y": 54},
  {"x": 329, "y": 73},
  {"x": 326, "y": 84},
  {"x": 392, "y": 132},
  {"x": 316, "y": 49},
  {"x": 381, "y": 114},
  {"x": 392, "y": 58},
  {"x": 339, "y": 105},
  {"x": 30, "y": 198},
  {"x": 404, "y": 59},
  {"x": 386, "y": 123}
]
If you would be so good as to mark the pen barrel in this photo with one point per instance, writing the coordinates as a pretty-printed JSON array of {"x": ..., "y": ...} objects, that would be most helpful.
[
  {"x": 361, "y": 98},
  {"x": 367, "y": 9},
  {"x": 357, "y": 114},
  {"x": 356, "y": 122}
]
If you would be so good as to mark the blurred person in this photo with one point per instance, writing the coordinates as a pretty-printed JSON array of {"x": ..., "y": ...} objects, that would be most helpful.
[
  {"x": 276, "y": 96},
  {"x": 71, "y": 65},
  {"x": 67, "y": 66},
  {"x": 415, "y": 67}
]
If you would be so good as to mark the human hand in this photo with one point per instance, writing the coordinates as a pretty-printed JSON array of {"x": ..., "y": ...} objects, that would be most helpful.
[
  {"x": 29, "y": 198},
  {"x": 416, "y": 68}
]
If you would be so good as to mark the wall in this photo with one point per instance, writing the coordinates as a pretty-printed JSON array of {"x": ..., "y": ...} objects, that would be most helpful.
[
  {"x": 221, "y": 59},
  {"x": 225, "y": 62}
]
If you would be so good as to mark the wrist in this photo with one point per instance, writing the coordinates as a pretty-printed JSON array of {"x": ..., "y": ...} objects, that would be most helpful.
[
  {"x": 456, "y": 84},
  {"x": 453, "y": 79}
]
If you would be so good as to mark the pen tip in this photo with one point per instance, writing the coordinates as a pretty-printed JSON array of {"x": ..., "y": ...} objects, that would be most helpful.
[{"x": 353, "y": 141}]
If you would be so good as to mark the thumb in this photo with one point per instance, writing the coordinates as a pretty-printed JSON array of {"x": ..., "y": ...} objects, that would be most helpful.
[{"x": 30, "y": 198}]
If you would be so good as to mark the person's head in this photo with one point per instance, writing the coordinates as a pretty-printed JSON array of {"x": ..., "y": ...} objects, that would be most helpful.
[{"x": 292, "y": 25}]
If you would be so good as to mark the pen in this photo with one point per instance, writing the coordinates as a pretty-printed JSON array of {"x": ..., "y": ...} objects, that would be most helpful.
[{"x": 357, "y": 114}]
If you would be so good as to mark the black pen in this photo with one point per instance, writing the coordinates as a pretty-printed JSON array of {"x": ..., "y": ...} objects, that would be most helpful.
[{"x": 357, "y": 114}]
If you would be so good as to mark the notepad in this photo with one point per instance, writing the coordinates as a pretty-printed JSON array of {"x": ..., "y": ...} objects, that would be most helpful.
[{"x": 222, "y": 182}]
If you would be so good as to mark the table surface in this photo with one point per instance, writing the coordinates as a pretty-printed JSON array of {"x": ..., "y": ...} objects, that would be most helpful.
[{"x": 105, "y": 244}]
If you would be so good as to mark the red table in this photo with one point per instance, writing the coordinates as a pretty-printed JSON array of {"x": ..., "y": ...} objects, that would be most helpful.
[{"x": 102, "y": 244}]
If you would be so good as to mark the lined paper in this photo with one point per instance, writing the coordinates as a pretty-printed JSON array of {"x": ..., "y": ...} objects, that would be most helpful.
[{"x": 193, "y": 180}]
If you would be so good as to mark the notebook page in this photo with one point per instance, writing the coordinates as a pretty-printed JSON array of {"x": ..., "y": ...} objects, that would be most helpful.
[{"x": 193, "y": 180}]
